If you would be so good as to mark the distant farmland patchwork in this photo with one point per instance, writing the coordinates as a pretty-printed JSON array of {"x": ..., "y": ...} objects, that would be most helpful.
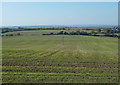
[{"x": 36, "y": 58}]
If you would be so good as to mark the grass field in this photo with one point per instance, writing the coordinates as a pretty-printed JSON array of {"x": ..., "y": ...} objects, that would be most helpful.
[{"x": 36, "y": 58}]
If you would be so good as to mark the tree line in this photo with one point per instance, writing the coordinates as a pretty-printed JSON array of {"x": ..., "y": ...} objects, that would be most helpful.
[
  {"x": 5, "y": 30},
  {"x": 109, "y": 32},
  {"x": 14, "y": 34}
]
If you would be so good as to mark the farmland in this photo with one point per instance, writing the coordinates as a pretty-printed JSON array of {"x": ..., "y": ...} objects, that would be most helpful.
[{"x": 36, "y": 58}]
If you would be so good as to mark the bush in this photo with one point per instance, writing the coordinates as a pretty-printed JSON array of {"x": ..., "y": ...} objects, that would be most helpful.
[{"x": 18, "y": 34}]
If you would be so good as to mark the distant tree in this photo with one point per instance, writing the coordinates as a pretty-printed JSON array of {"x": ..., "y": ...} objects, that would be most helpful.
[
  {"x": 65, "y": 33},
  {"x": 9, "y": 34},
  {"x": 108, "y": 31},
  {"x": 51, "y": 33},
  {"x": 63, "y": 28},
  {"x": 100, "y": 30},
  {"x": 72, "y": 33},
  {"x": 78, "y": 32},
  {"x": 83, "y": 33},
  {"x": 18, "y": 34},
  {"x": 61, "y": 32}
]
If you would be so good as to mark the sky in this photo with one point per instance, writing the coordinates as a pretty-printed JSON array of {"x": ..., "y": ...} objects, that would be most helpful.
[{"x": 59, "y": 13}]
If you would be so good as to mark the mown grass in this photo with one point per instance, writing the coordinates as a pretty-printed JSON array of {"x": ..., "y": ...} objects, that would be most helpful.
[
  {"x": 58, "y": 69},
  {"x": 58, "y": 77},
  {"x": 71, "y": 58}
]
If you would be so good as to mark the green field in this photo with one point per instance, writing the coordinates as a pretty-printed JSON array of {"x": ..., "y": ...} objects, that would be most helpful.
[{"x": 36, "y": 58}]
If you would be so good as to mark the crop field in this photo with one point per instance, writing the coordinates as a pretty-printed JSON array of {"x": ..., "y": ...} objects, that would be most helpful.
[{"x": 36, "y": 58}]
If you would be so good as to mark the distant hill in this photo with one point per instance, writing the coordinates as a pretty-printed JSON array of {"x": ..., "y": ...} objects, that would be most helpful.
[{"x": 60, "y": 26}]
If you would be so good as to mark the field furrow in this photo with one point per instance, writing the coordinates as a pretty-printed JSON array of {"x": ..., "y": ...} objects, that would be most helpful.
[{"x": 35, "y": 58}]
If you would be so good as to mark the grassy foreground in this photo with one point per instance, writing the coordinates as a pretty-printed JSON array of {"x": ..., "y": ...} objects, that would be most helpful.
[{"x": 36, "y": 58}]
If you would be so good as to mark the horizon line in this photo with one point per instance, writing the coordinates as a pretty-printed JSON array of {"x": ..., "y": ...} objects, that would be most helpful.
[{"x": 64, "y": 25}]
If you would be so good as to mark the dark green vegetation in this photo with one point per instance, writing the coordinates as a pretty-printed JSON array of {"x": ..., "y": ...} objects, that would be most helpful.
[
  {"x": 5, "y": 30},
  {"x": 36, "y": 58},
  {"x": 106, "y": 32}
]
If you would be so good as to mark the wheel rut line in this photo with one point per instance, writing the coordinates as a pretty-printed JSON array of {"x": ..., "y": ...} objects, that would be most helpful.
[{"x": 52, "y": 53}]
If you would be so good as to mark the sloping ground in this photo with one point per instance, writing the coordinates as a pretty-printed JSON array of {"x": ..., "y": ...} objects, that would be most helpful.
[{"x": 46, "y": 59}]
